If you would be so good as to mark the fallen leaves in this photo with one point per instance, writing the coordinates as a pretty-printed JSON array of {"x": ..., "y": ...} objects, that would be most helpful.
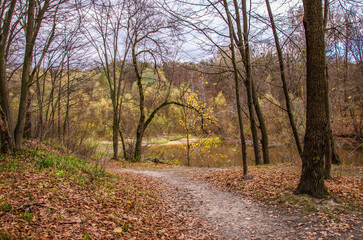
[
  {"x": 269, "y": 183},
  {"x": 275, "y": 184},
  {"x": 46, "y": 203}
]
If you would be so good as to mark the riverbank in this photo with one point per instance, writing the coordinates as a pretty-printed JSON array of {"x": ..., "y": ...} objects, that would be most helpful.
[{"x": 225, "y": 153}]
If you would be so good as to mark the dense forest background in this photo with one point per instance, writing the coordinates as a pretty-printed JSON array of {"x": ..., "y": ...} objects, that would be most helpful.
[{"x": 81, "y": 72}]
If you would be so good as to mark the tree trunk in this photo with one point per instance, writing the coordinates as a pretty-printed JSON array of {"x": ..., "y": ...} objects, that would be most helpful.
[
  {"x": 40, "y": 100},
  {"x": 126, "y": 155},
  {"x": 4, "y": 91},
  {"x": 335, "y": 155},
  {"x": 59, "y": 110},
  {"x": 138, "y": 144},
  {"x": 19, "y": 129},
  {"x": 115, "y": 134},
  {"x": 28, "y": 121},
  {"x": 329, "y": 144},
  {"x": 34, "y": 20},
  {"x": 261, "y": 119},
  {"x": 249, "y": 85},
  {"x": 188, "y": 142},
  {"x": 66, "y": 117},
  {"x": 237, "y": 92},
  {"x": 312, "y": 176},
  {"x": 140, "y": 127},
  {"x": 283, "y": 80},
  {"x": 331, "y": 155},
  {"x": 7, "y": 144}
]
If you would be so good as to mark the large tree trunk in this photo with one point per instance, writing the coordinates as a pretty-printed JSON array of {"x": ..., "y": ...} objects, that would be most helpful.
[
  {"x": 283, "y": 80},
  {"x": 312, "y": 175}
]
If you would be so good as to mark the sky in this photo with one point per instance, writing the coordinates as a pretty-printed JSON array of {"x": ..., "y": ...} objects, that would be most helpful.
[{"x": 192, "y": 49}]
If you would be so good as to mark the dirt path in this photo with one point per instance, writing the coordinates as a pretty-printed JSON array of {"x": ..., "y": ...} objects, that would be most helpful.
[{"x": 235, "y": 217}]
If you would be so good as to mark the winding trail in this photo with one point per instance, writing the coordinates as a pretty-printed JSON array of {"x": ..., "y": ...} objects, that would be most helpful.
[{"x": 232, "y": 216}]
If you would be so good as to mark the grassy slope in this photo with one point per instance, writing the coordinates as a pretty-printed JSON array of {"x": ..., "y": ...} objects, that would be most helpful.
[{"x": 45, "y": 195}]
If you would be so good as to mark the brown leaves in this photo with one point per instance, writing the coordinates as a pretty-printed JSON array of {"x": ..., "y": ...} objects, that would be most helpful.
[
  {"x": 269, "y": 182},
  {"x": 49, "y": 204},
  {"x": 338, "y": 218}
]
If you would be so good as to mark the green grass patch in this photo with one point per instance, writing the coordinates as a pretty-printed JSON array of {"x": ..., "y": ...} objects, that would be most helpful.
[
  {"x": 5, "y": 207},
  {"x": 161, "y": 141},
  {"x": 10, "y": 165},
  {"x": 27, "y": 216},
  {"x": 5, "y": 235},
  {"x": 69, "y": 167}
]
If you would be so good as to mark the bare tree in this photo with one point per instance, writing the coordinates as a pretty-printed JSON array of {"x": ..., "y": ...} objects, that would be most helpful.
[
  {"x": 237, "y": 89},
  {"x": 289, "y": 109},
  {"x": 35, "y": 14},
  {"x": 109, "y": 36},
  {"x": 147, "y": 24}
]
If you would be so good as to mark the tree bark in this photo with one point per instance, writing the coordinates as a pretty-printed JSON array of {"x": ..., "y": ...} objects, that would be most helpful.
[
  {"x": 66, "y": 117},
  {"x": 32, "y": 29},
  {"x": 237, "y": 92},
  {"x": 331, "y": 156},
  {"x": 248, "y": 82},
  {"x": 283, "y": 80},
  {"x": 243, "y": 47},
  {"x": 28, "y": 121},
  {"x": 123, "y": 144},
  {"x": 261, "y": 119},
  {"x": 188, "y": 142},
  {"x": 7, "y": 144},
  {"x": 140, "y": 128},
  {"x": 312, "y": 175},
  {"x": 115, "y": 132},
  {"x": 19, "y": 129},
  {"x": 4, "y": 92}
]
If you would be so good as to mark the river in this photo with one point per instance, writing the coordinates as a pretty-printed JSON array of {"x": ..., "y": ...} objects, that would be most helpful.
[{"x": 229, "y": 155}]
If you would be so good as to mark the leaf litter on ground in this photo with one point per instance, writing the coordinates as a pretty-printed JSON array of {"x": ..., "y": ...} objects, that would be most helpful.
[
  {"x": 274, "y": 185},
  {"x": 45, "y": 195}
]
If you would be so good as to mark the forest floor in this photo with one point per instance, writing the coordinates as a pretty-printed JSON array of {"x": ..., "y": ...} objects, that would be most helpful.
[
  {"x": 45, "y": 194},
  {"x": 260, "y": 212}
]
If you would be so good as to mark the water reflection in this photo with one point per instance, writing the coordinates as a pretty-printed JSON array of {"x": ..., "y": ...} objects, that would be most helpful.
[{"x": 229, "y": 155}]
